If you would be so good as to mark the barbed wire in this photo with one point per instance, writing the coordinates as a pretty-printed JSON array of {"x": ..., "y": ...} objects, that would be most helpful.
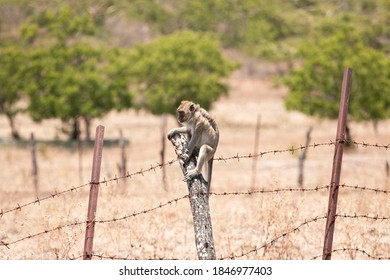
[
  {"x": 249, "y": 192},
  {"x": 38, "y": 200},
  {"x": 232, "y": 256},
  {"x": 272, "y": 241},
  {"x": 364, "y": 252},
  {"x": 128, "y": 257},
  {"x": 365, "y": 216},
  {"x": 142, "y": 171},
  {"x": 293, "y": 230},
  {"x": 107, "y": 257},
  {"x": 294, "y": 149}
]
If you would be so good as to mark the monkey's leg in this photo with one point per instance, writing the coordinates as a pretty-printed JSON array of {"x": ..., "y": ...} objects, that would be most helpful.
[{"x": 205, "y": 154}]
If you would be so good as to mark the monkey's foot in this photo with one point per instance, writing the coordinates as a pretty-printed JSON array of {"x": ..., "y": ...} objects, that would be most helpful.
[
  {"x": 190, "y": 174},
  {"x": 185, "y": 157}
]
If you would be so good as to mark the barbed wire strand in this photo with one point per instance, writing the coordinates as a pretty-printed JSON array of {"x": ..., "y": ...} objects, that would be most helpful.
[
  {"x": 293, "y": 230},
  {"x": 77, "y": 223},
  {"x": 293, "y": 149},
  {"x": 338, "y": 250},
  {"x": 364, "y": 252},
  {"x": 142, "y": 171},
  {"x": 103, "y": 182},
  {"x": 249, "y": 192},
  {"x": 272, "y": 241},
  {"x": 254, "y": 250}
]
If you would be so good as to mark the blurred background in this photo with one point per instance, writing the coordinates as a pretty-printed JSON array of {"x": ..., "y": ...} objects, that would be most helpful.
[
  {"x": 80, "y": 60},
  {"x": 269, "y": 72}
]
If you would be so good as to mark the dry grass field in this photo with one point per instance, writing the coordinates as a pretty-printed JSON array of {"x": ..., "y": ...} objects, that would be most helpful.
[{"x": 241, "y": 223}]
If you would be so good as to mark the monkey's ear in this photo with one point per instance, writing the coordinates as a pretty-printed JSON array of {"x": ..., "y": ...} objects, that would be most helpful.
[{"x": 192, "y": 107}]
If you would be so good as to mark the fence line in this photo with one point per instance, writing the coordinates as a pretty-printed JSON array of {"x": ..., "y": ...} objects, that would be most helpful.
[
  {"x": 104, "y": 181},
  {"x": 249, "y": 192},
  {"x": 338, "y": 250},
  {"x": 236, "y": 193},
  {"x": 233, "y": 256},
  {"x": 358, "y": 250},
  {"x": 293, "y": 149},
  {"x": 142, "y": 171}
]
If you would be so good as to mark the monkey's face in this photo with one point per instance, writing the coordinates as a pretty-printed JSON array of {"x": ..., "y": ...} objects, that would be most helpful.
[{"x": 185, "y": 111}]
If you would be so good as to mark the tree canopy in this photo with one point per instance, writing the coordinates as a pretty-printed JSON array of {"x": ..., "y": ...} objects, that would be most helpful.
[
  {"x": 183, "y": 65},
  {"x": 68, "y": 77},
  {"x": 12, "y": 77},
  {"x": 315, "y": 85}
]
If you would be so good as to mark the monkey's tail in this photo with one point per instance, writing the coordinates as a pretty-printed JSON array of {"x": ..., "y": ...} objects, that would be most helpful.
[{"x": 209, "y": 172}]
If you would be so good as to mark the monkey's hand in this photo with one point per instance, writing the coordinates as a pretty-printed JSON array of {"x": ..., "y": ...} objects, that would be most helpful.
[
  {"x": 185, "y": 157},
  {"x": 171, "y": 133},
  {"x": 190, "y": 174}
]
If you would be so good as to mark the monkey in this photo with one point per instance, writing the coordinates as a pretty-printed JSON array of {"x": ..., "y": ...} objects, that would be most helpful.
[{"x": 203, "y": 136}]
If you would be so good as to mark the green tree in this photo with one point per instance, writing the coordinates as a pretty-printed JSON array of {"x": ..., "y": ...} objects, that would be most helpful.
[
  {"x": 315, "y": 87},
  {"x": 76, "y": 82},
  {"x": 68, "y": 77},
  {"x": 12, "y": 71},
  {"x": 183, "y": 65}
]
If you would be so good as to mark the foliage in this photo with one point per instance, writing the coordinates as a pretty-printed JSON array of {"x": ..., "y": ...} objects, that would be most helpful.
[
  {"x": 315, "y": 86},
  {"x": 12, "y": 73},
  {"x": 183, "y": 65},
  {"x": 68, "y": 77},
  {"x": 75, "y": 81}
]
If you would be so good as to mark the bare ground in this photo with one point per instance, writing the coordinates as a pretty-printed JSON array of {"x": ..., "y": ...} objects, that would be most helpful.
[{"x": 243, "y": 225}]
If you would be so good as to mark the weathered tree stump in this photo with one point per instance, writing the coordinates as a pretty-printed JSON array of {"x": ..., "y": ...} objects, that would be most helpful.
[{"x": 199, "y": 200}]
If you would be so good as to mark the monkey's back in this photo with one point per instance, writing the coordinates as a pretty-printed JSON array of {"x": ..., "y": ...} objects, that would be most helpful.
[{"x": 210, "y": 129}]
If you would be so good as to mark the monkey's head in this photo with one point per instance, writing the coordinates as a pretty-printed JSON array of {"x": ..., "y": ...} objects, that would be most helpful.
[{"x": 186, "y": 111}]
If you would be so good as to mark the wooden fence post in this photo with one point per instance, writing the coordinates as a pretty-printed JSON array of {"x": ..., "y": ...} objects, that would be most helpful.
[
  {"x": 303, "y": 157},
  {"x": 337, "y": 161},
  {"x": 93, "y": 193},
  {"x": 34, "y": 171},
  {"x": 255, "y": 151},
  {"x": 162, "y": 151},
  {"x": 199, "y": 200},
  {"x": 79, "y": 150},
  {"x": 122, "y": 145}
]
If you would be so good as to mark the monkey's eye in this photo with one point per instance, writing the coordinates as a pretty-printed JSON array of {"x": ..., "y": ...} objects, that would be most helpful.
[
  {"x": 192, "y": 107},
  {"x": 180, "y": 114}
]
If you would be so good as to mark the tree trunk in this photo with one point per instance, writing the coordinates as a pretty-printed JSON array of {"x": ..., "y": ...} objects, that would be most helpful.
[
  {"x": 75, "y": 133},
  {"x": 348, "y": 137},
  {"x": 14, "y": 132},
  {"x": 87, "y": 122}
]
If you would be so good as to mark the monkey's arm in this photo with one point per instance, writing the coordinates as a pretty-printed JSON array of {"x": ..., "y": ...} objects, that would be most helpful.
[{"x": 177, "y": 130}]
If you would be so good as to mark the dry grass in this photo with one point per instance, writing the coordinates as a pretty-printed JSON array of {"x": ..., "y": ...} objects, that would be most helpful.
[{"x": 240, "y": 223}]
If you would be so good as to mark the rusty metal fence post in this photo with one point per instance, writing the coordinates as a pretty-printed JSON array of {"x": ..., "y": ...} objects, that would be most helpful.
[
  {"x": 337, "y": 161},
  {"x": 93, "y": 193}
]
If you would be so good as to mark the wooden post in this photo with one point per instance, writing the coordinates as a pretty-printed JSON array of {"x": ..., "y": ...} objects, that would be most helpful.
[
  {"x": 122, "y": 145},
  {"x": 93, "y": 193},
  {"x": 162, "y": 151},
  {"x": 303, "y": 157},
  {"x": 34, "y": 170},
  {"x": 337, "y": 161},
  {"x": 199, "y": 200},
  {"x": 255, "y": 151},
  {"x": 79, "y": 150}
]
